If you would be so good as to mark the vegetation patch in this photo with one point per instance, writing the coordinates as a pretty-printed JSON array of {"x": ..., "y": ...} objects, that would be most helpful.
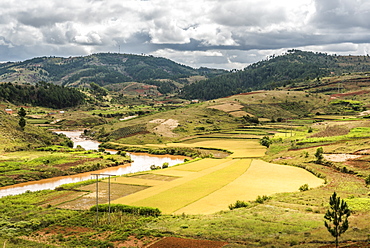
[
  {"x": 331, "y": 131},
  {"x": 126, "y": 209},
  {"x": 358, "y": 204}
]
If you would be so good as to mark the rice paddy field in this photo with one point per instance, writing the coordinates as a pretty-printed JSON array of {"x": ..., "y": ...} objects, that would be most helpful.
[
  {"x": 210, "y": 185},
  {"x": 240, "y": 148},
  {"x": 205, "y": 186}
]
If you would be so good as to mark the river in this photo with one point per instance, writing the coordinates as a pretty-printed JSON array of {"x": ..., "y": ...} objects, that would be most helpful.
[{"x": 141, "y": 162}]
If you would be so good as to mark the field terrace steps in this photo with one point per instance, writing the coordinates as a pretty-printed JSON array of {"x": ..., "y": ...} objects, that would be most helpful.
[
  {"x": 141, "y": 198},
  {"x": 262, "y": 178},
  {"x": 210, "y": 185},
  {"x": 240, "y": 148}
]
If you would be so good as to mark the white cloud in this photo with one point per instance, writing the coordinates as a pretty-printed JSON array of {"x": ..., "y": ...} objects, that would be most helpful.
[{"x": 235, "y": 32}]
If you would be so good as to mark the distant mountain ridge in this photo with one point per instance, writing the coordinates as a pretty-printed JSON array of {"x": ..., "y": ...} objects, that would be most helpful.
[
  {"x": 101, "y": 68},
  {"x": 292, "y": 67},
  {"x": 121, "y": 72}
]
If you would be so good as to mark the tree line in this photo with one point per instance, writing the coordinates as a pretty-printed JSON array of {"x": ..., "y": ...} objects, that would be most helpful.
[
  {"x": 295, "y": 66},
  {"x": 42, "y": 94}
]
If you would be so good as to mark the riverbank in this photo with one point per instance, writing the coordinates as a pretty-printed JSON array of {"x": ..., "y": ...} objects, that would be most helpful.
[{"x": 51, "y": 167}]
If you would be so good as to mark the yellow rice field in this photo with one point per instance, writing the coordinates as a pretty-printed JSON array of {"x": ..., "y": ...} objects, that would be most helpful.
[
  {"x": 216, "y": 185},
  {"x": 262, "y": 178},
  {"x": 241, "y": 148}
]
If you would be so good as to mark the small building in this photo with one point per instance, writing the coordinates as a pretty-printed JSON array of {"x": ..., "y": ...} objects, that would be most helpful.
[{"x": 9, "y": 111}]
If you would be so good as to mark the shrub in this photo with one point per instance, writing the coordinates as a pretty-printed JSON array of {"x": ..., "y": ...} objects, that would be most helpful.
[
  {"x": 165, "y": 165},
  {"x": 262, "y": 199},
  {"x": 319, "y": 155},
  {"x": 127, "y": 209},
  {"x": 238, "y": 204},
  {"x": 250, "y": 119},
  {"x": 306, "y": 155},
  {"x": 367, "y": 180},
  {"x": 266, "y": 141},
  {"x": 304, "y": 187}
]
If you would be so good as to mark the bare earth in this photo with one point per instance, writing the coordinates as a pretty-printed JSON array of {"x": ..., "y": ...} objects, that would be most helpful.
[
  {"x": 233, "y": 108},
  {"x": 172, "y": 242},
  {"x": 340, "y": 157},
  {"x": 165, "y": 127}
]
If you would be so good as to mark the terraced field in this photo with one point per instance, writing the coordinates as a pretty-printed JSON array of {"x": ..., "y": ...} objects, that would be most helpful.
[
  {"x": 210, "y": 185},
  {"x": 240, "y": 148}
]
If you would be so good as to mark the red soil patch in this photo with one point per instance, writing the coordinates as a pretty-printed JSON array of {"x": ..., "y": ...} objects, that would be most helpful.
[
  {"x": 360, "y": 164},
  {"x": 349, "y": 245},
  {"x": 331, "y": 131},
  {"x": 277, "y": 159},
  {"x": 70, "y": 230},
  {"x": 66, "y": 166},
  {"x": 363, "y": 152},
  {"x": 46, "y": 235},
  {"x": 244, "y": 94},
  {"x": 172, "y": 242},
  {"x": 361, "y": 92}
]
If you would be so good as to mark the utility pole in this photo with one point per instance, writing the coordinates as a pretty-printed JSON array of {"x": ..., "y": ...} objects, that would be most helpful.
[{"x": 97, "y": 195}]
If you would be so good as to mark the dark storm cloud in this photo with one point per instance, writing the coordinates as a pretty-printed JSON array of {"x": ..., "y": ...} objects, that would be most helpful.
[
  {"x": 342, "y": 14},
  {"x": 37, "y": 20},
  {"x": 239, "y": 14},
  {"x": 225, "y": 34}
]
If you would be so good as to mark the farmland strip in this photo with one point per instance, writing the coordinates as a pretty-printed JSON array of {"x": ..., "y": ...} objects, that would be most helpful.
[{"x": 177, "y": 197}]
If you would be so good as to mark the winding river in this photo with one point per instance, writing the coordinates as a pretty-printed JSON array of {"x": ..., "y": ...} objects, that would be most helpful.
[{"x": 141, "y": 162}]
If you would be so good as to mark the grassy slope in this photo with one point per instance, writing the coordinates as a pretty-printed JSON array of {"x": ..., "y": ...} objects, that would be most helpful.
[
  {"x": 13, "y": 138},
  {"x": 200, "y": 119},
  {"x": 194, "y": 119}
]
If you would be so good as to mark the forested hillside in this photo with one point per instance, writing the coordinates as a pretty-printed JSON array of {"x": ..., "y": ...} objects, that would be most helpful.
[
  {"x": 294, "y": 66},
  {"x": 41, "y": 94},
  {"x": 103, "y": 69},
  {"x": 148, "y": 75}
]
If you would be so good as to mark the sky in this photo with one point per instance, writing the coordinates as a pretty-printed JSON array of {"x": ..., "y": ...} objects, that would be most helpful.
[{"x": 225, "y": 34}]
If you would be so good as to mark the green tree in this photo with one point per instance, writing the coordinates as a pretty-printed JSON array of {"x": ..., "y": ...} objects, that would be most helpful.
[
  {"x": 319, "y": 155},
  {"x": 338, "y": 215},
  {"x": 22, "y": 123},
  {"x": 266, "y": 141},
  {"x": 22, "y": 112},
  {"x": 165, "y": 165}
]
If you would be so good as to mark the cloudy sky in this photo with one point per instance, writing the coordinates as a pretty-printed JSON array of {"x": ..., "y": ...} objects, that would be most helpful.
[{"x": 212, "y": 33}]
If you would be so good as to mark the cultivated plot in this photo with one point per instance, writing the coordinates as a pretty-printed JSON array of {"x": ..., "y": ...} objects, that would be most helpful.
[
  {"x": 214, "y": 188},
  {"x": 262, "y": 178},
  {"x": 241, "y": 148}
]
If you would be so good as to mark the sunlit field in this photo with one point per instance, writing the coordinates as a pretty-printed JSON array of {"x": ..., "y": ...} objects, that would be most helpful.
[
  {"x": 240, "y": 148},
  {"x": 216, "y": 184}
]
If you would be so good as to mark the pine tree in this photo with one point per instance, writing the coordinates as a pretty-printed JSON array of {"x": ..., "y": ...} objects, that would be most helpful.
[
  {"x": 337, "y": 214},
  {"x": 22, "y": 123},
  {"x": 319, "y": 155},
  {"x": 22, "y": 112}
]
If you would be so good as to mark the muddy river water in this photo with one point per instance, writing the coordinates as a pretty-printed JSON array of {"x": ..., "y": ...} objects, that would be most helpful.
[{"x": 141, "y": 162}]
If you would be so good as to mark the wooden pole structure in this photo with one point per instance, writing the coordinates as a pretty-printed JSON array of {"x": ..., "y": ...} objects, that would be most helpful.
[{"x": 97, "y": 195}]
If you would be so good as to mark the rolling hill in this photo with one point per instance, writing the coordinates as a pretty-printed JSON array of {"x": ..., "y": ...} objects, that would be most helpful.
[
  {"x": 294, "y": 67},
  {"x": 129, "y": 74},
  {"x": 102, "y": 68}
]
